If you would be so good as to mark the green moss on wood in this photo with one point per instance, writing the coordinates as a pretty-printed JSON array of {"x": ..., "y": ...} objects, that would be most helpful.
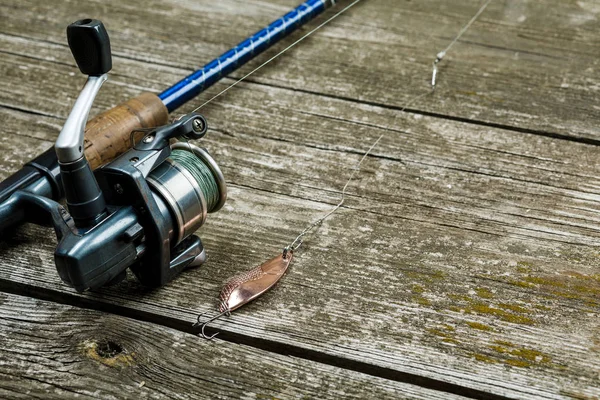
[
  {"x": 418, "y": 289},
  {"x": 421, "y": 300},
  {"x": 485, "y": 359},
  {"x": 517, "y": 363},
  {"x": 480, "y": 326},
  {"x": 459, "y": 297},
  {"x": 511, "y": 354},
  {"x": 484, "y": 309},
  {"x": 449, "y": 328},
  {"x": 484, "y": 293},
  {"x": 513, "y": 307},
  {"x": 521, "y": 283},
  {"x": 446, "y": 335}
]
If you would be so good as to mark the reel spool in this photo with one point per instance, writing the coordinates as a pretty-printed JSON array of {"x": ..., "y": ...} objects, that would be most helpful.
[{"x": 191, "y": 184}]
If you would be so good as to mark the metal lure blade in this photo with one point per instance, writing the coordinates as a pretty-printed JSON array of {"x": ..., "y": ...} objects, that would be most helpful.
[{"x": 247, "y": 286}]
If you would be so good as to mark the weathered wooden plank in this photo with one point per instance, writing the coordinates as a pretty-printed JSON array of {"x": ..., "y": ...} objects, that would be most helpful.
[
  {"x": 433, "y": 287},
  {"x": 519, "y": 65},
  {"x": 50, "y": 350},
  {"x": 471, "y": 263}
]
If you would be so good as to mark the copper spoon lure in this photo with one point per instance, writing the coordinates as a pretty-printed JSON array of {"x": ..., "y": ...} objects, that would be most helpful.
[{"x": 247, "y": 286}]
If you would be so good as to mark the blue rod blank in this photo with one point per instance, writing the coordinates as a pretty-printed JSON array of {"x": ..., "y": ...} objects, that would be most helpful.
[{"x": 189, "y": 87}]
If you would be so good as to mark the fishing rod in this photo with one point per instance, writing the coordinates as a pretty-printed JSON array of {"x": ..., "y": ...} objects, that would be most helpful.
[{"x": 140, "y": 208}]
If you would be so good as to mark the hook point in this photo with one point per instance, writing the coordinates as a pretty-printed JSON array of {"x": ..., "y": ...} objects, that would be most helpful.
[{"x": 203, "y": 325}]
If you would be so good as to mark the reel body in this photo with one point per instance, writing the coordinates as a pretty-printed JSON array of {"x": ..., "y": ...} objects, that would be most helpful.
[
  {"x": 139, "y": 211},
  {"x": 154, "y": 207}
]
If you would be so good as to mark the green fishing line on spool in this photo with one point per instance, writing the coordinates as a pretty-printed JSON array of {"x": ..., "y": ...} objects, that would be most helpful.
[{"x": 201, "y": 173}]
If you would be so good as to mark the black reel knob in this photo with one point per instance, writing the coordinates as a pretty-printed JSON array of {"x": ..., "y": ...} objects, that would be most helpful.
[
  {"x": 199, "y": 127},
  {"x": 90, "y": 46}
]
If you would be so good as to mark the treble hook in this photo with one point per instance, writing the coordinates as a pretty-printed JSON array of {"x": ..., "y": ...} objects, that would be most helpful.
[{"x": 203, "y": 324}]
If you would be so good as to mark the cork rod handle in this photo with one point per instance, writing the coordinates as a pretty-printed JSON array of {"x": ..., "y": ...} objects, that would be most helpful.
[{"x": 108, "y": 135}]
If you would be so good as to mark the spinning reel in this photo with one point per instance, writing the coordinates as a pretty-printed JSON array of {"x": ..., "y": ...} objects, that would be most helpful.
[{"x": 139, "y": 211}]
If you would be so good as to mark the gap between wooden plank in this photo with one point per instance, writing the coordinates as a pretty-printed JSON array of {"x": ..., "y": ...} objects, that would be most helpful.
[
  {"x": 22, "y": 289},
  {"x": 48, "y": 356},
  {"x": 553, "y": 135}
]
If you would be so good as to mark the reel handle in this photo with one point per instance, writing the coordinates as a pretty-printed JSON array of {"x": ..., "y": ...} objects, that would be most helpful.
[{"x": 90, "y": 45}]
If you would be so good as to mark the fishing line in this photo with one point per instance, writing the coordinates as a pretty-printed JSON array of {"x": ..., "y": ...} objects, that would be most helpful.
[
  {"x": 442, "y": 53},
  {"x": 298, "y": 240},
  {"x": 195, "y": 165},
  {"x": 245, "y": 287},
  {"x": 201, "y": 173},
  {"x": 280, "y": 53}
]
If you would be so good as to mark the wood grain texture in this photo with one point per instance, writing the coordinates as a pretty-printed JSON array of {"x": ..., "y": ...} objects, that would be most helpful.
[
  {"x": 459, "y": 289},
  {"x": 53, "y": 351},
  {"x": 466, "y": 254}
]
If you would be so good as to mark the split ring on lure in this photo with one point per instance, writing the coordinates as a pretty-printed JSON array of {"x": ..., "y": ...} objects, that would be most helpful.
[{"x": 247, "y": 286}]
